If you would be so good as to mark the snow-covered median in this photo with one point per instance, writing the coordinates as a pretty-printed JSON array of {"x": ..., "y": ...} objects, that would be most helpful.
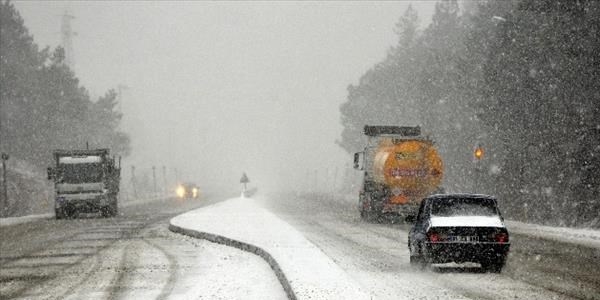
[{"x": 244, "y": 224}]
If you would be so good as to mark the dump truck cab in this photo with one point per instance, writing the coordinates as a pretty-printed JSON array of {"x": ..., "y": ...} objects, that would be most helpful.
[{"x": 84, "y": 181}]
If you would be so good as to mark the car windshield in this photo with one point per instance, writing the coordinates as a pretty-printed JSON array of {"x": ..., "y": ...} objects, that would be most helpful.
[
  {"x": 464, "y": 207},
  {"x": 80, "y": 173}
]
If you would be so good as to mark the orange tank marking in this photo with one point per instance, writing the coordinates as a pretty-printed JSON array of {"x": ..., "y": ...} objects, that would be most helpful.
[{"x": 411, "y": 168}]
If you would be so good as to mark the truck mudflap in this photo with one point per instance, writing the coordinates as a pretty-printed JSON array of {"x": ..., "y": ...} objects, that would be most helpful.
[{"x": 409, "y": 209}]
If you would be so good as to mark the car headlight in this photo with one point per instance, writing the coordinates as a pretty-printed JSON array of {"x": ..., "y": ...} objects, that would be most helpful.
[{"x": 180, "y": 191}]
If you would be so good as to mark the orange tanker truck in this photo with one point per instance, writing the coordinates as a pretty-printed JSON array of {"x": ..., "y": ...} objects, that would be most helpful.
[{"x": 400, "y": 168}]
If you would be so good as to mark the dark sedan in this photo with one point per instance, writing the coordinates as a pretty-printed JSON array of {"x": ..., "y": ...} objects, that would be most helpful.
[{"x": 459, "y": 228}]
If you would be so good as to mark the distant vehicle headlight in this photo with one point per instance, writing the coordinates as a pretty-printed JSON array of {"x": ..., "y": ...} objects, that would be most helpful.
[
  {"x": 180, "y": 191},
  {"x": 195, "y": 192}
]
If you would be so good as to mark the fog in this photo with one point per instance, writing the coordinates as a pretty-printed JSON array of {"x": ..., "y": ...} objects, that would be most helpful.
[{"x": 216, "y": 89}]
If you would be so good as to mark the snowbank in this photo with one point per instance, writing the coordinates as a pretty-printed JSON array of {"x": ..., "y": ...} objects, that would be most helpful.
[
  {"x": 10, "y": 221},
  {"x": 584, "y": 237},
  {"x": 303, "y": 269},
  {"x": 24, "y": 219}
]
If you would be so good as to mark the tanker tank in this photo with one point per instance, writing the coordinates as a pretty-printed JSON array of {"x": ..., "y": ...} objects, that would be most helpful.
[{"x": 401, "y": 167}]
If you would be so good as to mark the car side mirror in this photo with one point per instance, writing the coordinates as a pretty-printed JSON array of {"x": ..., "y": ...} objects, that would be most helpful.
[{"x": 358, "y": 157}]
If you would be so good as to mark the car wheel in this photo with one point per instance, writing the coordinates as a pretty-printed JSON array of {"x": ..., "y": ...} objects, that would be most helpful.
[
  {"x": 493, "y": 266},
  {"x": 417, "y": 260}
]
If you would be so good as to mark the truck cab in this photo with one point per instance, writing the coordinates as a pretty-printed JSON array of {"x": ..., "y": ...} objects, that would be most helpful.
[{"x": 84, "y": 181}]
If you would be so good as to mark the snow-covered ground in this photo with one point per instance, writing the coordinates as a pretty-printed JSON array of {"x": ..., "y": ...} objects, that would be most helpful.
[
  {"x": 24, "y": 219},
  {"x": 10, "y": 221},
  {"x": 585, "y": 237},
  {"x": 310, "y": 273},
  {"x": 333, "y": 264}
]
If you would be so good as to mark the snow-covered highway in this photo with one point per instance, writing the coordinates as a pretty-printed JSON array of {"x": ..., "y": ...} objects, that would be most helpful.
[
  {"x": 376, "y": 256},
  {"x": 312, "y": 247},
  {"x": 132, "y": 256}
]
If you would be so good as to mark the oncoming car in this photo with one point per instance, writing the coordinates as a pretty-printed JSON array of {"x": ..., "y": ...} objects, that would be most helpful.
[
  {"x": 187, "y": 190},
  {"x": 459, "y": 228}
]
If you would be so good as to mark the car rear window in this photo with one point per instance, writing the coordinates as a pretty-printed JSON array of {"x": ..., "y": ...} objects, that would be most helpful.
[{"x": 464, "y": 207}]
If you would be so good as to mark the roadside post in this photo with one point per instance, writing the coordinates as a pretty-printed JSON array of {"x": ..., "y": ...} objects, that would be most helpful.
[
  {"x": 154, "y": 180},
  {"x": 478, "y": 154},
  {"x": 133, "y": 182},
  {"x": 244, "y": 180},
  {"x": 4, "y": 187}
]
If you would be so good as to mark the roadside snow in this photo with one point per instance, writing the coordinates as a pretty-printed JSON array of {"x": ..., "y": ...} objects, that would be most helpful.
[
  {"x": 24, "y": 219},
  {"x": 310, "y": 272},
  {"x": 10, "y": 221},
  {"x": 584, "y": 237}
]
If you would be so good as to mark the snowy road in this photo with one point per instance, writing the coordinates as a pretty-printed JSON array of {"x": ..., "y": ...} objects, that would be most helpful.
[
  {"x": 376, "y": 256},
  {"x": 133, "y": 256}
]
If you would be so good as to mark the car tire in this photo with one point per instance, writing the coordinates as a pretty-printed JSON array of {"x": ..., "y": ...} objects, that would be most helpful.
[
  {"x": 417, "y": 260},
  {"x": 493, "y": 266}
]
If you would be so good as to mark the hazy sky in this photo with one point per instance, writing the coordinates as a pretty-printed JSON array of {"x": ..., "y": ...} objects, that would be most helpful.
[{"x": 218, "y": 88}]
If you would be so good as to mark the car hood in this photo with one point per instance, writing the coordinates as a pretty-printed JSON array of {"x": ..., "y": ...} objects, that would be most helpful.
[{"x": 466, "y": 221}]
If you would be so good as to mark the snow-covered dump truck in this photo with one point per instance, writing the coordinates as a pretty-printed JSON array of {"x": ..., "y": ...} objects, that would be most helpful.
[
  {"x": 85, "y": 181},
  {"x": 400, "y": 168}
]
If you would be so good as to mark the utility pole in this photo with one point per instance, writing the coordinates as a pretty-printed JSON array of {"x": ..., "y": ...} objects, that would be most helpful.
[
  {"x": 477, "y": 157},
  {"x": 154, "y": 179},
  {"x": 133, "y": 182},
  {"x": 67, "y": 34},
  {"x": 4, "y": 187}
]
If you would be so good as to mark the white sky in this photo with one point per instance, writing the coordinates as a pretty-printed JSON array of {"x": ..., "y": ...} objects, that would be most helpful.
[{"x": 218, "y": 88}]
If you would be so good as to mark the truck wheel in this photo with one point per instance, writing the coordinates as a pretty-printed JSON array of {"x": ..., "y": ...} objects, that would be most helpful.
[
  {"x": 110, "y": 210},
  {"x": 69, "y": 212},
  {"x": 114, "y": 209},
  {"x": 59, "y": 213},
  {"x": 368, "y": 216}
]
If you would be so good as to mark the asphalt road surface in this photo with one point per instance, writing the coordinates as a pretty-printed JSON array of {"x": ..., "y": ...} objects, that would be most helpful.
[
  {"x": 377, "y": 256},
  {"x": 131, "y": 256}
]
